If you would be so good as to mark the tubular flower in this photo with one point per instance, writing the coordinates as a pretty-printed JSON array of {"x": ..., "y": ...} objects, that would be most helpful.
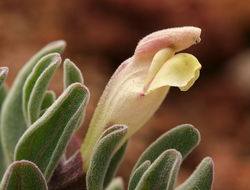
[{"x": 140, "y": 84}]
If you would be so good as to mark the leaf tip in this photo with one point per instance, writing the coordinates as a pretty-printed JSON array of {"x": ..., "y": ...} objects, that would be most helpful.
[
  {"x": 59, "y": 44},
  {"x": 195, "y": 130},
  {"x": 4, "y": 71}
]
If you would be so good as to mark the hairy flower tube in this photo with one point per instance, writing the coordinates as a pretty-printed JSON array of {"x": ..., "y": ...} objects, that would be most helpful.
[{"x": 140, "y": 84}]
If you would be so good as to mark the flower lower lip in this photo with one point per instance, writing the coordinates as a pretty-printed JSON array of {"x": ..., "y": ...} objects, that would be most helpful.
[{"x": 158, "y": 61}]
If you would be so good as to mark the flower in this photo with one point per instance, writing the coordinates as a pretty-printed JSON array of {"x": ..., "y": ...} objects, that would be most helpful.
[{"x": 140, "y": 84}]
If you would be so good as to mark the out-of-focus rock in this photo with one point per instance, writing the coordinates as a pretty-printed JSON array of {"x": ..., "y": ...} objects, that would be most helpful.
[{"x": 238, "y": 71}]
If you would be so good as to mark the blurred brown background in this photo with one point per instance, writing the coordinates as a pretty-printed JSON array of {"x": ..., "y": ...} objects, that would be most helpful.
[{"x": 101, "y": 34}]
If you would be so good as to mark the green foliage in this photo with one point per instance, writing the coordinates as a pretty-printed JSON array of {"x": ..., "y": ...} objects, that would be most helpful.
[
  {"x": 36, "y": 129},
  {"x": 23, "y": 175},
  {"x": 3, "y": 74},
  {"x": 13, "y": 123},
  {"x": 36, "y": 84},
  {"x": 160, "y": 172},
  {"x": 114, "y": 164},
  {"x": 202, "y": 177},
  {"x": 183, "y": 138},
  {"x": 3, "y": 94},
  {"x": 137, "y": 174},
  {"x": 48, "y": 100},
  {"x": 103, "y": 153},
  {"x": 45, "y": 141},
  {"x": 71, "y": 73},
  {"x": 158, "y": 166}
]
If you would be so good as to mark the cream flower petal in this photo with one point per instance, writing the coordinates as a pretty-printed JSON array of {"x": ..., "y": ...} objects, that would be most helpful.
[{"x": 179, "y": 38}]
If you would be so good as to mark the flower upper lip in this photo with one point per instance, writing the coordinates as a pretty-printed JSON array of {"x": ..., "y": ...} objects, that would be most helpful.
[{"x": 178, "y": 38}]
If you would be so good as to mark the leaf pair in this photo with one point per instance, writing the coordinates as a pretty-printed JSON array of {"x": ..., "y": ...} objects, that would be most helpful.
[
  {"x": 36, "y": 84},
  {"x": 158, "y": 166}
]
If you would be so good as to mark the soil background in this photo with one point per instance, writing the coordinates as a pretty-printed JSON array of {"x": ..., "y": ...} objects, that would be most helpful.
[{"x": 101, "y": 34}]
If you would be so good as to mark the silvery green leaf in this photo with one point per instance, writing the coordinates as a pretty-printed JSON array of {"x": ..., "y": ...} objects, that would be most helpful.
[
  {"x": 3, "y": 94},
  {"x": 114, "y": 164},
  {"x": 48, "y": 100},
  {"x": 158, "y": 175},
  {"x": 13, "y": 123},
  {"x": 36, "y": 85},
  {"x": 3, "y": 74},
  {"x": 23, "y": 175},
  {"x": 202, "y": 177},
  {"x": 135, "y": 178},
  {"x": 102, "y": 155},
  {"x": 45, "y": 140},
  {"x": 184, "y": 138},
  {"x": 3, "y": 165},
  {"x": 71, "y": 73}
]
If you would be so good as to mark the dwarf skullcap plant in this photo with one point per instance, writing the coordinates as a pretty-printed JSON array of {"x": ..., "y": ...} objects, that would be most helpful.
[{"x": 39, "y": 149}]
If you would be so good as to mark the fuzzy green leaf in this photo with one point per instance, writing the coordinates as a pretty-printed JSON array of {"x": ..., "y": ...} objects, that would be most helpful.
[
  {"x": 183, "y": 138},
  {"x": 71, "y": 73},
  {"x": 116, "y": 184},
  {"x": 174, "y": 174},
  {"x": 36, "y": 85},
  {"x": 202, "y": 177},
  {"x": 3, "y": 93},
  {"x": 13, "y": 123},
  {"x": 48, "y": 100},
  {"x": 3, "y": 74},
  {"x": 103, "y": 152},
  {"x": 23, "y": 175},
  {"x": 160, "y": 172},
  {"x": 45, "y": 141},
  {"x": 114, "y": 164},
  {"x": 135, "y": 178},
  {"x": 3, "y": 165}
]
